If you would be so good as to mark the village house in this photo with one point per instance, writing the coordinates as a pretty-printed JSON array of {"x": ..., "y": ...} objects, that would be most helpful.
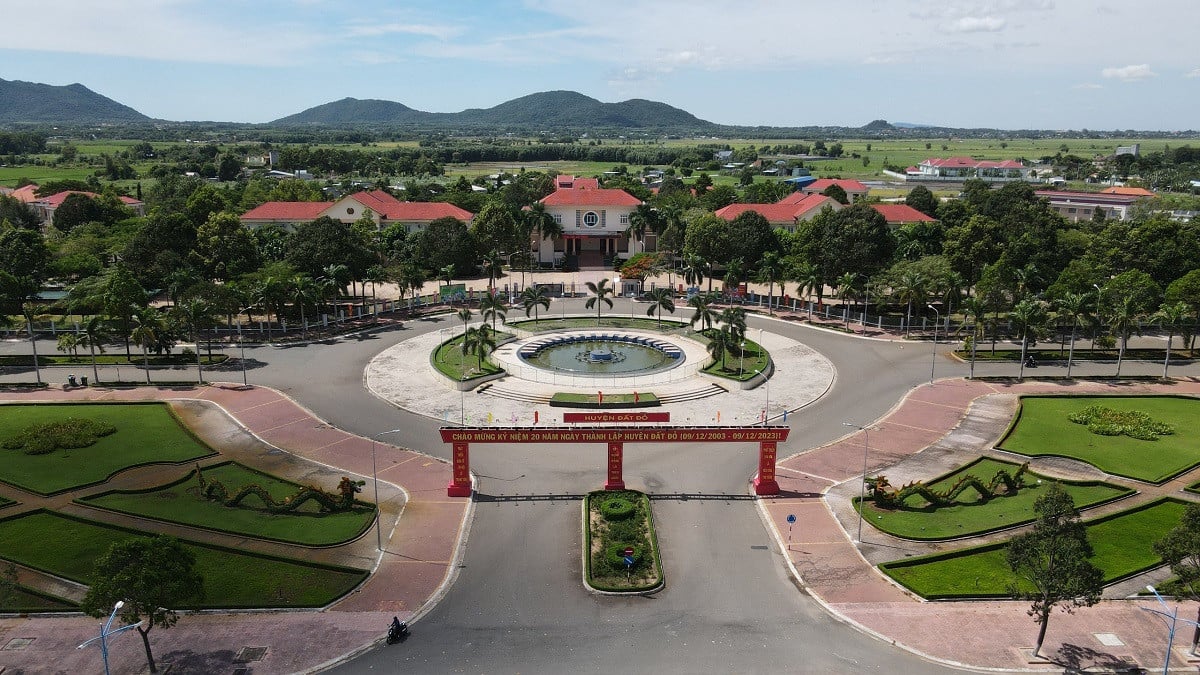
[
  {"x": 1074, "y": 205},
  {"x": 46, "y": 206},
  {"x": 381, "y": 207},
  {"x": 902, "y": 214},
  {"x": 595, "y": 224},
  {"x": 787, "y": 212},
  {"x": 957, "y": 169},
  {"x": 854, "y": 189}
]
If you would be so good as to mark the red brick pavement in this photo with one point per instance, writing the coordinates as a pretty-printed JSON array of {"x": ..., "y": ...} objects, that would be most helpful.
[
  {"x": 418, "y": 559},
  {"x": 978, "y": 634}
]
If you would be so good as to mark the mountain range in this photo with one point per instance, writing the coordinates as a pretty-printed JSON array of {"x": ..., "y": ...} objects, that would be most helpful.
[{"x": 34, "y": 103}]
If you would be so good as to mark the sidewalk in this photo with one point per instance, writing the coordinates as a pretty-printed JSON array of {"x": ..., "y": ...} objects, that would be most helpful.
[
  {"x": 977, "y": 634},
  {"x": 418, "y": 563}
]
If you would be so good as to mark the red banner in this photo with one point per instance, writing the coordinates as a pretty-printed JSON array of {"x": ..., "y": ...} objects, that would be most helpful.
[
  {"x": 755, "y": 434},
  {"x": 616, "y": 479},
  {"x": 614, "y": 417}
]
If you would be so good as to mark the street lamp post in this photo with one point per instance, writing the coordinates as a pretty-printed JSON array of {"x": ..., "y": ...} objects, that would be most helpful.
[
  {"x": 1096, "y": 330},
  {"x": 105, "y": 633},
  {"x": 862, "y": 488},
  {"x": 742, "y": 359},
  {"x": 1169, "y": 618},
  {"x": 933, "y": 359},
  {"x": 242, "y": 344},
  {"x": 375, "y": 478}
]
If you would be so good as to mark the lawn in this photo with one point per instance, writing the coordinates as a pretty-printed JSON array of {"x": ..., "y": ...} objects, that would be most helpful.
[
  {"x": 972, "y": 515},
  {"x": 20, "y": 599},
  {"x": 84, "y": 360},
  {"x": 146, "y": 433},
  {"x": 643, "y": 398},
  {"x": 450, "y": 361},
  {"x": 617, "y": 522},
  {"x": 69, "y": 547},
  {"x": 1042, "y": 429},
  {"x": 548, "y": 324},
  {"x": 180, "y": 502},
  {"x": 1122, "y": 546},
  {"x": 737, "y": 366}
]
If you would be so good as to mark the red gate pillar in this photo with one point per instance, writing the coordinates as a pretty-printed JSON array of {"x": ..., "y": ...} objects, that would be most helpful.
[
  {"x": 460, "y": 484},
  {"x": 765, "y": 483},
  {"x": 616, "y": 480}
]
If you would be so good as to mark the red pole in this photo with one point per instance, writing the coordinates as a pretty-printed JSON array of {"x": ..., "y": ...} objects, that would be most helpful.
[
  {"x": 616, "y": 480},
  {"x": 765, "y": 483},
  {"x": 460, "y": 484}
]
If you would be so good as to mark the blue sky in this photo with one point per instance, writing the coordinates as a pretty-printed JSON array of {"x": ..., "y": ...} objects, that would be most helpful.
[{"x": 1047, "y": 64}]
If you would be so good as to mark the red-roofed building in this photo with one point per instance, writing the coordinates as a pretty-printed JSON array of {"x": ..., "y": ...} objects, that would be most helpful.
[
  {"x": 1076, "y": 206},
  {"x": 854, "y": 189},
  {"x": 46, "y": 206},
  {"x": 26, "y": 194},
  {"x": 1131, "y": 191},
  {"x": 902, "y": 214},
  {"x": 785, "y": 213},
  {"x": 954, "y": 169},
  {"x": 383, "y": 208},
  {"x": 594, "y": 221}
]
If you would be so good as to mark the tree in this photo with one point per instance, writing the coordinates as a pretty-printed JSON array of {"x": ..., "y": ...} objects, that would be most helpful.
[
  {"x": 493, "y": 264},
  {"x": 491, "y": 306},
  {"x": 733, "y": 320},
  {"x": 195, "y": 314},
  {"x": 911, "y": 286},
  {"x": 694, "y": 270},
  {"x": 544, "y": 224},
  {"x": 808, "y": 280},
  {"x": 1051, "y": 561},
  {"x": 225, "y": 248},
  {"x": 533, "y": 297},
  {"x": 1186, "y": 289},
  {"x": 847, "y": 286},
  {"x": 1171, "y": 315},
  {"x": 495, "y": 227},
  {"x": 976, "y": 309},
  {"x": 719, "y": 343},
  {"x": 478, "y": 341},
  {"x": 600, "y": 294},
  {"x": 854, "y": 239},
  {"x": 751, "y": 237},
  {"x": 1029, "y": 318},
  {"x": 121, "y": 296},
  {"x": 837, "y": 192},
  {"x": 702, "y": 313},
  {"x": 148, "y": 325},
  {"x": 95, "y": 334},
  {"x": 921, "y": 199},
  {"x": 1074, "y": 307},
  {"x": 151, "y": 575},
  {"x": 1180, "y": 549},
  {"x": 660, "y": 299},
  {"x": 323, "y": 242}
]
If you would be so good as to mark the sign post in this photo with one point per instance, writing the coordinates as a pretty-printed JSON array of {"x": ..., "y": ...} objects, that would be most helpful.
[{"x": 791, "y": 521}]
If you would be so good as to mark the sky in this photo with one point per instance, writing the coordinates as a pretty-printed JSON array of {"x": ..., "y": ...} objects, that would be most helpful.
[{"x": 1009, "y": 64}]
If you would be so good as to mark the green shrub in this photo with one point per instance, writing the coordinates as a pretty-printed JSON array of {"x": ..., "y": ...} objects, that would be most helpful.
[
  {"x": 616, "y": 509},
  {"x": 1104, "y": 421},
  {"x": 69, "y": 434}
]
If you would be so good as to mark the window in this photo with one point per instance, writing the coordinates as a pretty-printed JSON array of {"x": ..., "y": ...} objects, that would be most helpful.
[
  {"x": 350, "y": 210},
  {"x": 558, "y": 218},
  {"x": 625, "y": 219},
  {"x": 590, "y": 219}
]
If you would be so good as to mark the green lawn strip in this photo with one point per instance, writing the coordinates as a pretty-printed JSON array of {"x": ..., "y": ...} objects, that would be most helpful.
[
  {"x": 546, "y": 323},
  {"x": 593, "y": 400},
  {"x": 974, "y": 516},
  {"x": 984, "y": 354},
  {"x": 737, "y": 367},
  {"x": 1121, "y": 543},
  {"x": 68, "y": 546},
  {"x": 22, "y": 599},
  {"x": 1041, "y": 429},
  {"x": 147, "y": 433},
  {"x": 84, "y": 361},
  {"x": 605, "y": 541},
  {"x": 451, "y": 362},
  {"x": 180, "y": 502}
]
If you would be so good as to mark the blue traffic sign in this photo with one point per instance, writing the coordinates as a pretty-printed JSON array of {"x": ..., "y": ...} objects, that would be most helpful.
[
  {"x": 629, "y": 561},
  {"x": 791, "y": 518}
]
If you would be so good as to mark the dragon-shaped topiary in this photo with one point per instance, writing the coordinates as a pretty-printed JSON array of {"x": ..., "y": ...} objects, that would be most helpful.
[
  {"x": 329, "y": 503},
  {"x": 886, "y": 498}
]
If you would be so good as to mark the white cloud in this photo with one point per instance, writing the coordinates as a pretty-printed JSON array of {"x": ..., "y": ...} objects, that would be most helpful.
[
  {"x": 976, "y": 24},
  {"x": 1087, "y": 85},
  {"x": 1130, "y": 73},
  {"x": 1195, "y": 72},
  {"x": 365, "y": 29}
]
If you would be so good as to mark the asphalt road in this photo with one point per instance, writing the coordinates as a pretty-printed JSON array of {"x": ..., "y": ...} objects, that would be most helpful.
[{"x": 518, "y": 603}]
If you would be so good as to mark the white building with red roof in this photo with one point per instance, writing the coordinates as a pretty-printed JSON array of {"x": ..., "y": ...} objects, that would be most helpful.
[
  {"x": 787, "y": 212},
  {"x": 1076, "y": 205},
  {"x": 46, "y": 206},
  {"x": 956, "y": 169},
  {"x": 594, "y": 220},
  {"x": 382, "y": 207},
  {"x": 854, "y": 189}
]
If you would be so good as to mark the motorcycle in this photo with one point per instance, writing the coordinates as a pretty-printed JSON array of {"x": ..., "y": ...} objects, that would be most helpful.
[
  {"x": 397, "y": 632},
  {"x": 1030, "y": 361}
]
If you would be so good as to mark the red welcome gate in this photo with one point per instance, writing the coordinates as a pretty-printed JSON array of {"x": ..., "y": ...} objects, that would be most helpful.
[{"x": 767, "y": 437}]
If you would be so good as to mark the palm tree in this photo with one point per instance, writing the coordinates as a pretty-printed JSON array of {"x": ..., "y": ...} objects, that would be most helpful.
[
  {"x": 532, "y": 298},
  {"x": 68, "y": 342},
  {"x": 341, "y": 276},
  {"x": 95, "y": 334},
  {"x": 694, "y": 269},
  {"x": 465, "y": 315},
  {"x": 809, "y": 278},
  {"x": 1123, "y": 319},
  {"x": 269, "y": 294},
  {"x": 446, "y": 274},
  {"x": 644, "y": 218},
  {"x": 195, "y": 313},
  {"x": 491, "y": 307},
  {"x": 304, "y": 290},
  {"x": 376, "y": 274},
  {"x": 1073, "y": 306},
  {"x": 544, "y": 224},
  {"x": 147, "y": 326},
  {"x": 1029, "y": 318},
  {"x": 910, "y": 288},
  {"x": 480, "y": 342},
  {"x": 29, "y": 310},
  {"x": 492, "y": 263},
  {"x": 976, "y": 309},
  {"x": 770, "y": 268},
  {"x": 734, "y": 321},
  {"x": 413, "y": 278},
  {"x": 735, "y": 270},
  {"x": 704, "y": 314},
  {"x": 660, "y": 299},
  {"x": 600, "y": 292},
  {"x": 1171, "y": 315},
  {"x": 847, "y": 285},
  {"x": 719, "y": 343}
]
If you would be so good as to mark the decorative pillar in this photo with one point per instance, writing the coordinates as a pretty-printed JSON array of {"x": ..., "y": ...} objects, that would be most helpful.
[
  {"x": 460, "y": 484},
  {"x": 765, "y": 483},
  {"x": 616, "y": 480}
]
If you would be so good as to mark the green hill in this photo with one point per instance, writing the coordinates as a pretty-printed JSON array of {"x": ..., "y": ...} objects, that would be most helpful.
[{"x": 34, "y": 103}]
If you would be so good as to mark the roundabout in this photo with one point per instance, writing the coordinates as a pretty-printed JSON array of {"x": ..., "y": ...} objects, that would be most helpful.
[{"x": 403, "y": 376}]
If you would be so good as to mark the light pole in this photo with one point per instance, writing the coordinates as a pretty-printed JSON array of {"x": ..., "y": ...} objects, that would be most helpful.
[
  {"x": 933, "y": 360},
  {"x": 242, "y": 344},
  {"x": 742, "y": 359},
  {"x": 767, "y": 406},
  {"x": 862, "y": 488},
  {"x": 375, "y": 477},
  {"x": 1173, "y": 617},
  {"x": 105, "y": 633},
  {"x": 1096, "y": 330}
]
